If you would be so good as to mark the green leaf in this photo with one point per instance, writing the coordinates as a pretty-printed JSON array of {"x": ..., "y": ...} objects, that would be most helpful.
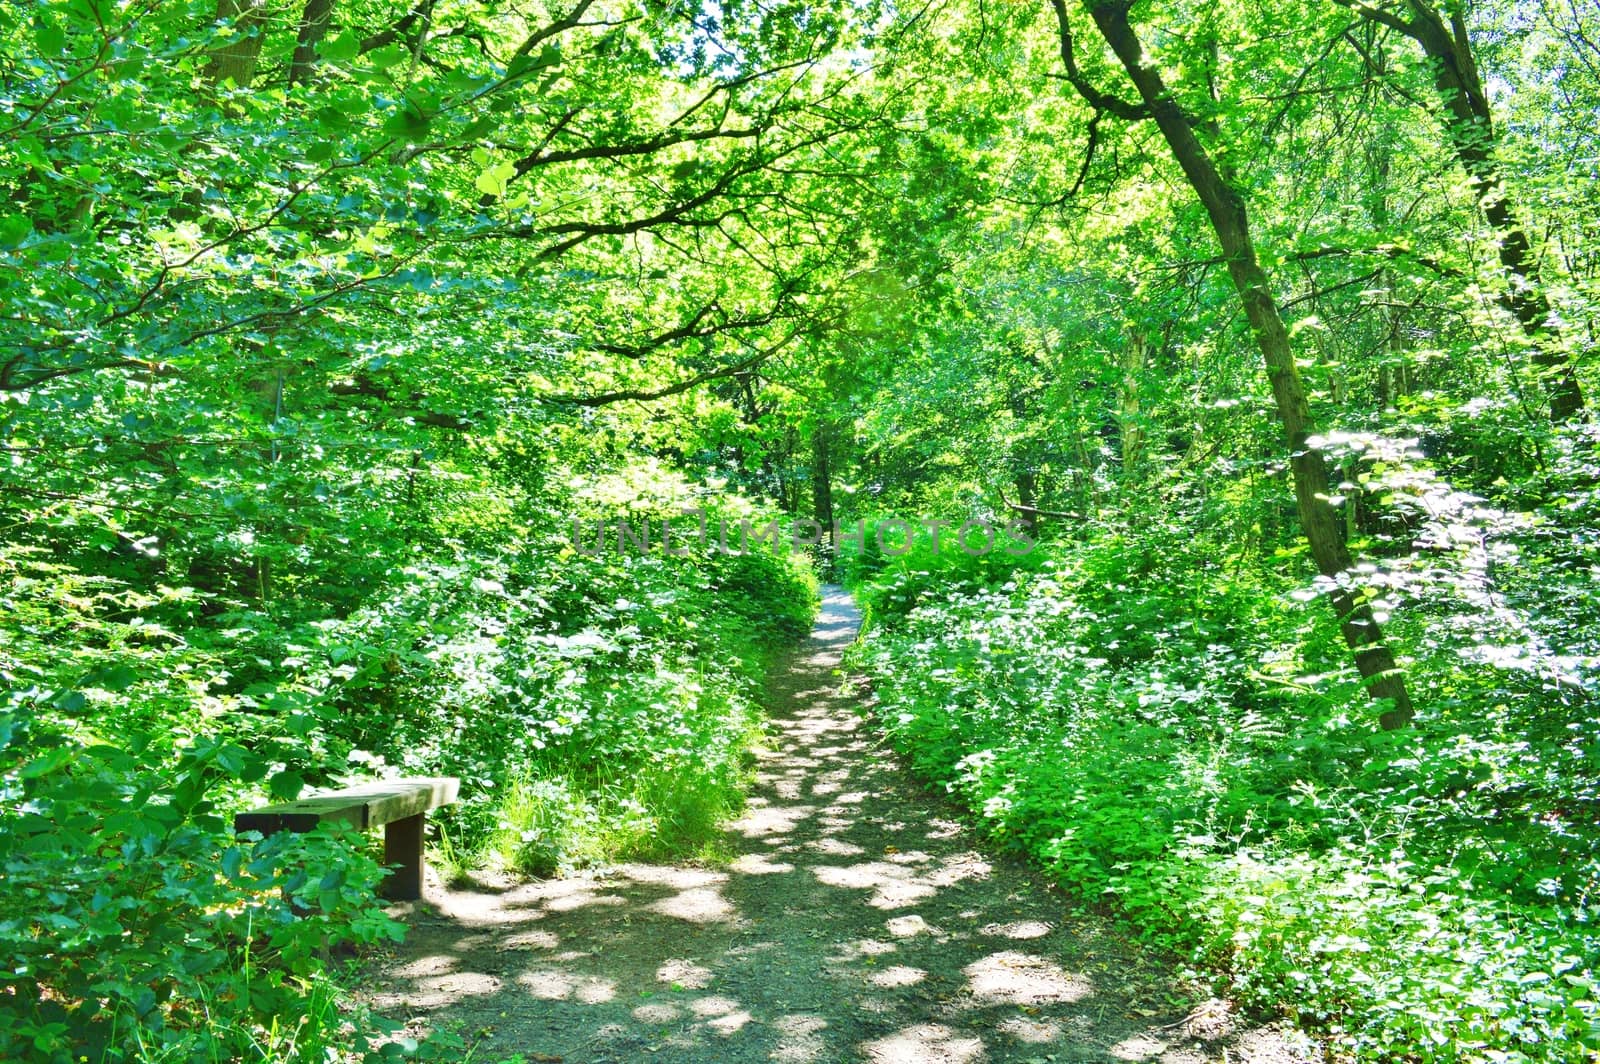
[
  {"x": 50, "y": 38},
  {"x": 14, "y": 229},
  {"x": 489, "y": 184},
  {"x": 408, "y": 122},
  {"x": 46, "y": 763},
  {"x": 94, "y": 13},
  {"x": 389, "y": 56},
  {"x": 342, "y": 48},
  {"x": 459, "y": 80},
  {"x": 69, "y": 701},
  {"x": 493, "y": 181},
  {"x": 112, "y": 678},
  {"x": 253, "y": 769},
  {"x": 549, "y": 56},
  {"x": 231, "y": 758},
  {"x": 286, "y": 785}
]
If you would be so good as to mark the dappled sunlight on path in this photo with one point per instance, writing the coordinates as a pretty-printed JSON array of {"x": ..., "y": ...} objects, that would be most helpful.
[{"x": 856, "y": 923}]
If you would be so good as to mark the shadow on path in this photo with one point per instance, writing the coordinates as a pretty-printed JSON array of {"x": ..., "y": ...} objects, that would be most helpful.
[{"x": 854, "y": 925}]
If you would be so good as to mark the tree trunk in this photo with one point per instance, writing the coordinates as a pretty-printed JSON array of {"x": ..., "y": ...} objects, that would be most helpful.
[
  {"x": 237, "y": 59},
  {"x": 1318, "y": 519},
  {"x": 314, "y": 22},
  {"x": 1027, "y": 498},
  {"x": 1392, "y": 366},
  {"x": 821, "y": 480},
  {"x": 1470, "y": 127},
  {"x": 1133, "y": 361}
]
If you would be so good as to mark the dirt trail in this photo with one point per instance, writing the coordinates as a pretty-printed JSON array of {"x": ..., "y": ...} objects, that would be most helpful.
[{"x": 858, "y": 923}]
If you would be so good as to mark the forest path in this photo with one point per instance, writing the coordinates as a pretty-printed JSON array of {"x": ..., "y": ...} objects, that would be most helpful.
[{"x": 857, "y": 923}]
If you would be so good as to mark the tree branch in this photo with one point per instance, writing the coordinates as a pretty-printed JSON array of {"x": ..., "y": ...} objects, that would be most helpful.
[
  {"x": 1034, "y": 511},
  {"x": 650, "y": 395},
  {"x": 384, "y": 38},
  {"x": 691, "y": 330},
  {"x": 1380, "y": 16},
  {"x": 1100, "y": 101},
  {"x": 555, "y": 28}
]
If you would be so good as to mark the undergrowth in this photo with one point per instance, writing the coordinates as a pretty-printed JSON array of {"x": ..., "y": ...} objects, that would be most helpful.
[
  {"x": 594, "y": 706},
  {"x": 1180, "y": 741}
]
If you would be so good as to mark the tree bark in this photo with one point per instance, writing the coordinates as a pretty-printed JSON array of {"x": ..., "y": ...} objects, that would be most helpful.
[
  {"x": 1392, "y": 381},
  {"x": 822, "y": 480},
  {"x": 1318, "y": 519},
  {"x": 237, "y": 59},
  {"x": 1027, "y": 498},
  {"x": 1133, "y": 360},
  {"x": 314, "y": 20}
]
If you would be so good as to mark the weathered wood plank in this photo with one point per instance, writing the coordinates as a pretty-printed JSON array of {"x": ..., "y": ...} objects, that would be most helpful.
[
  {"x": 400, "y": 806},
  {"x": 419, "y": 796},
  {"x": 366, "y": 806}
]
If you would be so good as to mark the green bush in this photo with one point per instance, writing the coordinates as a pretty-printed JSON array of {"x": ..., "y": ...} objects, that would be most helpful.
[
  {"x": 595, "y": 708},
  {"x": 547, "y": 826},
  {"x": 135, "y": 928},
  {"x": 594, "y": 705},
  {"x": 1135, "y": 717},
  {"x": 912, "y": 570}
]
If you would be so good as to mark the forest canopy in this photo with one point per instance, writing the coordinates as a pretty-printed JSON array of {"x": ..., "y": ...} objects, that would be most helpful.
[{"x": 323, "y": 324}]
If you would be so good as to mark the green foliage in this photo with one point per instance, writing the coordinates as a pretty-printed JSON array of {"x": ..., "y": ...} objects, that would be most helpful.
[
  {"x": 595, "y": 707},
  {"x": 900, "y": 566},
  {"x": 619, "y": 688},
  {"x": 663, "y": 810},
  {"x": 135, "y": 929},
  {"x": 312, "y": 349},
  {"x": 1132, "y": 716},
  {"x": 547, "y": 827}
]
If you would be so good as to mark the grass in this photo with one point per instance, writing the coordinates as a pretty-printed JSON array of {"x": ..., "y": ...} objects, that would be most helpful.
[{"x": 557, "y": 823}]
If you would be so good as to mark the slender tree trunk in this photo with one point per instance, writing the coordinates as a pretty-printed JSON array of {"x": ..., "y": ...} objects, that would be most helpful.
[
  {"x": 1027, "y": 497},
  {"x": 1085, "y": 479},
  {"x": 314, "y": 20},
  {"x": 822, "y": 480},
  {"x": 1318, "y": 519},
  {"x": 237, "y": 59},
  {"x": 1346, "y": 470},
  {"x": 1469, "y": 125},
  {"x": 1133, "y": 361},
  {"x": 789, "y": 493},
  {"x": 1392, "y": 368}
]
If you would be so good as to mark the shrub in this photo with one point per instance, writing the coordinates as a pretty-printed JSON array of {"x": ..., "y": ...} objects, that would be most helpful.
[
  {"x": 595, "y": 706},
  {"x": 1136, "y": 720},
  {"x": 135, "y": 928}
]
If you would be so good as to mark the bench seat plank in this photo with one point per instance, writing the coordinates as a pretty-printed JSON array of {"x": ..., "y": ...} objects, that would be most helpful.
[
  {"x": 399, "y": 806},
  {"x": 367, "y": 806}
]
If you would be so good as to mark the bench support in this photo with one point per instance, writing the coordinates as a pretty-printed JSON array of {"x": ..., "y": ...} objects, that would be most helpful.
[
  {"x": 398, "y": 806},
  {"x": 402, "y": 851}
]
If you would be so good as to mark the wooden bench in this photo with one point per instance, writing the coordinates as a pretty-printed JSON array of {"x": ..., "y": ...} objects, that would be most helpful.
[{"x": 400, "y": 806}]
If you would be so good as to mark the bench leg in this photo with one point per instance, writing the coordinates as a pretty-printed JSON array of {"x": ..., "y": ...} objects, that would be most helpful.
[{"x": 402, "y": 846}]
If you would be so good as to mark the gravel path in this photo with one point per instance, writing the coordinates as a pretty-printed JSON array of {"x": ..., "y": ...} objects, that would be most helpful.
[{"x": 857, "y": 923}]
